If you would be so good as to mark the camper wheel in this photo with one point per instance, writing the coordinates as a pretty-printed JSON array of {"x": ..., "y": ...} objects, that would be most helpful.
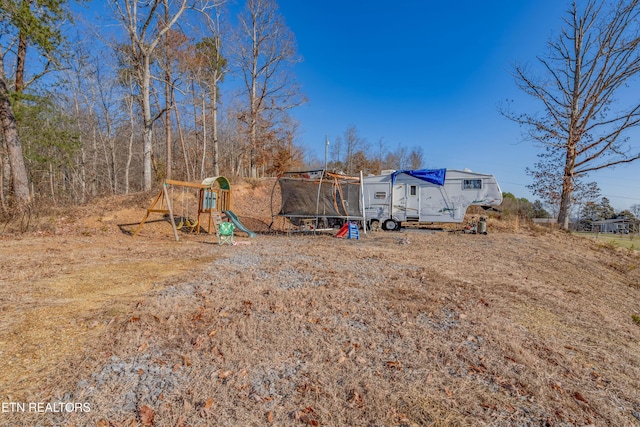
[{"x": 390, "y": 225}]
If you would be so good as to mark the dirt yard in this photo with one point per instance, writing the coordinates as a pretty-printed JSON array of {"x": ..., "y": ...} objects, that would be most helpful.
[{"x": 523, "y": 326}]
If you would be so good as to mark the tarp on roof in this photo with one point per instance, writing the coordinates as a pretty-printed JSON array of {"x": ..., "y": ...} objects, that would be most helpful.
[{"x": 434, "y": 176}]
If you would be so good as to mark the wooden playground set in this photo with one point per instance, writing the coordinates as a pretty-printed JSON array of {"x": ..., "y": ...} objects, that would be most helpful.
[{"x": 192, "y": 214}]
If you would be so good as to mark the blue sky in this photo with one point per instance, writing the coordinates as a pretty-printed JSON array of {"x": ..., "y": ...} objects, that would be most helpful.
[{"x": 430, "y": 74}]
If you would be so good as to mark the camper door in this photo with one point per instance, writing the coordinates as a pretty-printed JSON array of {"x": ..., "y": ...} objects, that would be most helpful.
[
  {"x": 406, "y": 202},
  {"x": 399, "y": 205},
  {"x": 413, "y": 202}
]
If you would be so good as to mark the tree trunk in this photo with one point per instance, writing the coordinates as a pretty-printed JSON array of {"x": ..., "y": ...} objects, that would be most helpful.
[
  {"x": 20, "y": 59},
  {"x": 167, "y": 129},
  {"x": 3, "y": 165},
  {"x": 567, "y": 187},
  {"x": 184, "y": 149},
  {"x": 204, "y": 139},
  {"x": 93, "y": 185},
  {"x": 21, "y": 55},
  {"x": 132, "y": 132},
  {"x": 148, "y": 125},
  {"x": 114, "y": 165},
  {"x": 12, "y": 140},
  {"x": 168, "y": 99},
  {"x": 216, "y": 158},
  {"x": 83, "y": 175},
  {"x": 82, "y": 165},
  {"x": 52, "y": 187}
]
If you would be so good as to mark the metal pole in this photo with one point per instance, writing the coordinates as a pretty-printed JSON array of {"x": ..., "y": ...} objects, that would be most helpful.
[
  {"x": 326, "y": 151},
  {"x": 362, "y": 207}
]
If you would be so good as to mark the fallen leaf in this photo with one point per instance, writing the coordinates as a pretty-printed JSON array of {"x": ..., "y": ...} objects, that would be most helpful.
[
  {"x": 557, "y": 387},
  {"x": 213, "y": 333},
  {"x": 270, "y": 417},
  {"x": 308, "y": 420},
  {"x": 143, "y": 347},
  {"x": 394, "y": 364},
  {"x": 477, "y": 368},
  {"x": 355, "y": 398},
  {"x": 198, "y": 341},
  {"x": 225, "y": 374},
  {"x": 146, "y": 415},
  {"x": 580, "y": 397},
  {"x": 208, "y": 403},
  {"x": 509, "y": 408}
]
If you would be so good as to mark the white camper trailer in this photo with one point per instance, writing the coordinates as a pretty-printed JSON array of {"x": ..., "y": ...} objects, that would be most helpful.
[{"x": 426, "y": 195}]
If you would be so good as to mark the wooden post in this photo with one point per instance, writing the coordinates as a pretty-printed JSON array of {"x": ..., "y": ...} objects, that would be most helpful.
[
  {"x": 173, "y": 223},
  {"x": 148, "y": 212}
]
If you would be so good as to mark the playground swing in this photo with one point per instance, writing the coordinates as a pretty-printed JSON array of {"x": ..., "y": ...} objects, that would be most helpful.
[{"x": 185, "y": 221}]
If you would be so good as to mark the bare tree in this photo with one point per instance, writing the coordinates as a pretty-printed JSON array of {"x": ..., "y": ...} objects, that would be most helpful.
[
  {"x": 215, "y": 67},
  {"x": 353, "y": 143},
  {"x": 145, "y": 31},
  {"x": 416, "y": 158},
  {"x": 593, "y": 60},
  {"x": 266, "y": 50}
]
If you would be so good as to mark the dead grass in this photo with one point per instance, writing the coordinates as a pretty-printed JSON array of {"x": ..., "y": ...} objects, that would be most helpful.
[{"x": 523, "y": 327}]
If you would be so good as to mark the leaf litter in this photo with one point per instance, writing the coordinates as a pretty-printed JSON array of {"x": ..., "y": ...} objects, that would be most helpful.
[{"x": 523, "y": 327}]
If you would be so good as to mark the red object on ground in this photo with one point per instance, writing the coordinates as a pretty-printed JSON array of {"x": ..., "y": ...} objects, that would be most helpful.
[{"x": 344, "y": 230}]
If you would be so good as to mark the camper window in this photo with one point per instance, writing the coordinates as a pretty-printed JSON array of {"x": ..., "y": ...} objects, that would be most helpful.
[
  {"x": 413, "y": 190},
  {"x": 472, "y": 184},
  {"x": 380, "y": 195}
]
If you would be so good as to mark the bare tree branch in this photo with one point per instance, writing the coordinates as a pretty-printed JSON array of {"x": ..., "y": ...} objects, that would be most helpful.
[{"x": 583, "y": 124}]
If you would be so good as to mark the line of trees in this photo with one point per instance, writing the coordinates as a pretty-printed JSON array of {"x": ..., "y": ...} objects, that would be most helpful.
[
  {"x": 522, "y": 207},
  {"x": 88, "y": 110},
  {"x": 350, "y": 153},
  {"x": 81, "y": 109},
  {"x": 162, "y": 89},
  {"x": 601, "y": 209}
]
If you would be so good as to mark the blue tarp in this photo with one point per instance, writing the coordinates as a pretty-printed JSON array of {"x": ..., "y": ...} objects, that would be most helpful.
[{"x": 434, "y": 176}]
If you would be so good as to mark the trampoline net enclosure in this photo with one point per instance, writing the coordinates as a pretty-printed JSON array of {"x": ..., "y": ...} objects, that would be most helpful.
[{"x": 320, "y": 194}]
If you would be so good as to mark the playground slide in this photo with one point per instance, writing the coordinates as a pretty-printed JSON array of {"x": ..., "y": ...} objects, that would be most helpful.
[
  {"x": 240, "y": 226},
  {"x": 343, "y": 230}
]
